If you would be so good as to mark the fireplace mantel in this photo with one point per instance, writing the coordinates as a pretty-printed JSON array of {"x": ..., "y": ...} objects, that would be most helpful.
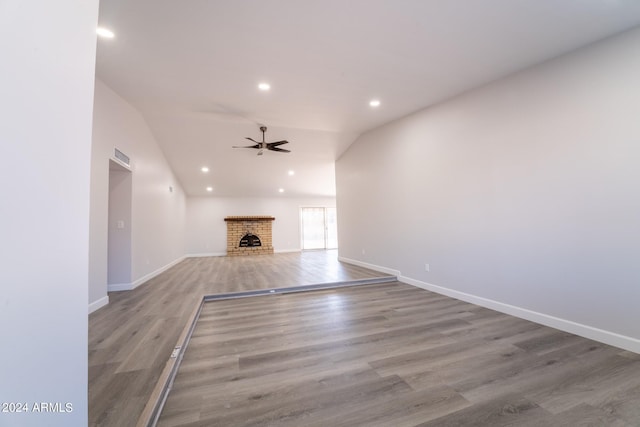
[
  {"x": 250, "y": 218},
  {"x": 240, "y": 227}
]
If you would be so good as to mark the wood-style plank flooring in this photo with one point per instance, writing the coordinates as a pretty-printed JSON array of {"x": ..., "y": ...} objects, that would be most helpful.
[
  {"x": 392, "y": 355},
  {"x": 131, "y": 339}
]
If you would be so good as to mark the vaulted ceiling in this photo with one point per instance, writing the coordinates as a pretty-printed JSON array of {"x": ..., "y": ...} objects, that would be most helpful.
[{"x": 192, "y": 68}]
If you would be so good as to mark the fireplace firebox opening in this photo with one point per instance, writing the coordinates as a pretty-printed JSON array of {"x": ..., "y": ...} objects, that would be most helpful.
[{"x": 249, "y": 241}]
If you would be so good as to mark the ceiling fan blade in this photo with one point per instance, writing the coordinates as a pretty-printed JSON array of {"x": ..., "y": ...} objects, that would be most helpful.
[
  {"x": 262, "y": 145},
  {"x": 282, "y": 150},
  {"x": 247, "y": 146},
  {"x": 275, "y": 144}
]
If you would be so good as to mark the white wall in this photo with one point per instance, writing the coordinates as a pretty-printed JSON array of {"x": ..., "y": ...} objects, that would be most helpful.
[
  {"x": 158, "y": 215},
  {"x": 207, "y": 230},
  {"x": 522, "y": 195},
  {"x": 46, "y": 86}
]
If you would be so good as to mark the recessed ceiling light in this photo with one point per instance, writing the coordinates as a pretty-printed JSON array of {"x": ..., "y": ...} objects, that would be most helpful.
[
  {"x": 209, "y": 189},
  {"x": 264, "y": 86},
  {"x": 374, "y": 103},
  {"x": 104, "y": 32},
  {"x": 205, "y": 169},
  {"x": 291, "y": 173},
  {"x": 281, "y": 190}
]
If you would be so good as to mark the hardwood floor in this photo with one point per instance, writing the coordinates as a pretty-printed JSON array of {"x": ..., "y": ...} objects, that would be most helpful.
[
  {"x": 131, "y": 339},
  {"x": 390, "y": 355}
]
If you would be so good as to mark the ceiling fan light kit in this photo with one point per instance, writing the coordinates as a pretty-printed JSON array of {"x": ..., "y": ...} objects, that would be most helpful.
[{"x": 262, "y": 145}]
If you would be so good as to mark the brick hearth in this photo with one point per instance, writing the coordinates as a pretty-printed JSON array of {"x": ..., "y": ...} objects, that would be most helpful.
[{"x": 238, "y": 226}]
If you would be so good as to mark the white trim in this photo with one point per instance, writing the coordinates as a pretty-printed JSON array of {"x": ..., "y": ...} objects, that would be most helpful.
[
  {"x": 117, "y": 287},
  {"x": 607, "y": 337},
  {"x": 596, "y": 334},
  {"x": 153, "y": 274},
  {"x": 98, "y": 303},
  {"x": 205, "y": 254},
  {"x": 130, "y": 286},
  {"x": 370, "y": 266},
  {"x": 208, "y": 254}
]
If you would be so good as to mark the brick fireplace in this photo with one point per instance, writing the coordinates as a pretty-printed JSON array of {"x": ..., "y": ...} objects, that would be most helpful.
[{"x": 249, "y": 235}]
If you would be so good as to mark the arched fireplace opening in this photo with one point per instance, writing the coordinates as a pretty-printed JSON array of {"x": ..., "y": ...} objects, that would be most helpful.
[{"x": 249, "y": 241}]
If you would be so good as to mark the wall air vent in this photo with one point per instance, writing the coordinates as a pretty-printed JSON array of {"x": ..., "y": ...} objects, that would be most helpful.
[{"x": 122, "y": 157}]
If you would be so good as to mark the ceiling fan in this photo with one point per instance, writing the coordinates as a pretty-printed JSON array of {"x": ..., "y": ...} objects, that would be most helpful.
[{"x": 261, "y": 146}]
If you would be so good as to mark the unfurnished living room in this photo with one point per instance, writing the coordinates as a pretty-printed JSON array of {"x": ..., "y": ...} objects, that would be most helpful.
[{"x": 320, "y": 213}]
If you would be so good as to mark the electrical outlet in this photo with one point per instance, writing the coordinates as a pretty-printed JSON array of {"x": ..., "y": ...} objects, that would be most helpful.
[
  {"x": 426, "y": 267},
  {"x": 363, "y": 252},
  {"x": 175, "y": 352}
]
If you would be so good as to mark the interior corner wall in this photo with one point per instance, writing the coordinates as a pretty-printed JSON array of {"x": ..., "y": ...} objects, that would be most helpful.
[
  {"x": 158, "y": 214},
  {"x": 207, "y": 230},
  {"x": 523, "y": 193},
  {"x": 46, "y": 86}
]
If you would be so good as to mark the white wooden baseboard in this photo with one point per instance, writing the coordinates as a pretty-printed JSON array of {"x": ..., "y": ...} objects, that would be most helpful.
[
  {"x": 283, "y": 251},
  {"x": 586, "y": 331},
  {"x": 98, "y": 304},
  {"x": 208, "y": 254},
  {"x": 130, "y": 286},
  {"x": 380, "y": 268},
  {"x": 117, "y": 287},
  {"x": 596, "y": 334},
  {"x": 205, "y": 254}
]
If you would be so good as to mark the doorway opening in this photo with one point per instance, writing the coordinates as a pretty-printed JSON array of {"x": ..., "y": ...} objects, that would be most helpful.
[
  {"x": 319, "y": 228},
  {"x": 119, "y": 228}
]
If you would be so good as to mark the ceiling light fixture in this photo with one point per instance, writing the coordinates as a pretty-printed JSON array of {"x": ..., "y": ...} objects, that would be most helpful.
[
  {"x": 264, "y": 87},
  {"x": 209, "y": 189},
  {"x": 104, "y": 32},
  {"x": 374, "y": 103},
  {"x": 281, "y": 190},
  {"x": 291, "y": 173},
  {"x": 205, "y": 169}
]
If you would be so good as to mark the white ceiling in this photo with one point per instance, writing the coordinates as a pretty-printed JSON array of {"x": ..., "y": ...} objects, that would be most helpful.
[{"x": 191, "y": 67}]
